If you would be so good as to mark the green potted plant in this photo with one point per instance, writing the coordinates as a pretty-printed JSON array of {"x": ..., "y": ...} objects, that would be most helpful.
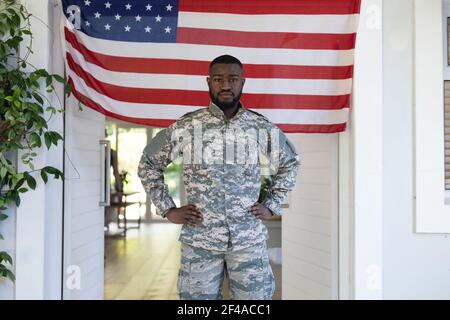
[{"x": 24, "y": 113}]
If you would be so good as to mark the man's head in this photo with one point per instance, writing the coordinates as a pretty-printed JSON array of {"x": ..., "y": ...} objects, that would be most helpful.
[{"x": 225, "y": 81}]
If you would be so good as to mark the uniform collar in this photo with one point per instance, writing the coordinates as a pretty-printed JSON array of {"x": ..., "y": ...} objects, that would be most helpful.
[{"x": 215, "y": 110}]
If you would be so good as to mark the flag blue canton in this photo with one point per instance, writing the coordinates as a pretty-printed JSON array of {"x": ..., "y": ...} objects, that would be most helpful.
[{"x": 132, "y": 20}]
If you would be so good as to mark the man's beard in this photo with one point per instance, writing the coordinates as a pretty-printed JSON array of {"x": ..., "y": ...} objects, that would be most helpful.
[{"x": 225, "y": 105}]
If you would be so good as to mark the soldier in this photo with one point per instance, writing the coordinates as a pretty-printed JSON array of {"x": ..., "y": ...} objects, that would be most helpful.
[{"x": 223, "y": 148}]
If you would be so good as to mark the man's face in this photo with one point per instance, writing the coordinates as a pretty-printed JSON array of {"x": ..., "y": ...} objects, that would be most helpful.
[{"x": 225, "y": 84}]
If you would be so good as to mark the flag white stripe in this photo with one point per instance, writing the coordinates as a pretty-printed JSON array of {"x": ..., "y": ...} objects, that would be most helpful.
[
  {"x": 194, "y": 82},
  {"x": 151, "y": 111},
  {"x": 209, "y": 52},
  {"x": 332, "y": 23}
]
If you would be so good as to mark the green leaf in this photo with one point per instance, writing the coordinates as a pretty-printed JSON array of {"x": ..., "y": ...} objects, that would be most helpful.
[
  {"x": 3, "y": 216},
  {"x": 44, "y": 176},
  {"x": 38, "y": 98},
  {"x": 28, "y": 32},
  {"x": 55, "y": 172},
  {"x": 30, "y": 180},
  {"x": 48, "y": 81},
  {"x": 48, "y": 139},
  {"x": 52, "y": 109},
  {"x": 16, "y": 20},
  {"x": 23, "y": 190},
  {"x": 5, "y": 257},
  {"x": 3, "y": 172},
  {"x": 16, "y": 198},
  {"x": 1, "y": 237},
  {"x": 55, "y": 137},
  {"x": 10, "y": 275},
  {"x": 68, "y": 89},
  {"x": 19, "y": 183},
  {"x": 58, "y": 78},
  {"x": 35, "y": 140}
]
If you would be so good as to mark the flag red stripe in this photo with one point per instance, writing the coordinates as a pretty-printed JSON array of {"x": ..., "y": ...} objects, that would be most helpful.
[
  {"x": 94, "y": 105},
  {"x": 312, "y": 128},
  {"x": 285, "y": 40},
  {"x": 201, "y": 98},
  {"x": 289, "y": 128},
  {"x": 291, "y": 101},
  {"x": 190, "y": 67},
  {"x": 273, "y": 7}
]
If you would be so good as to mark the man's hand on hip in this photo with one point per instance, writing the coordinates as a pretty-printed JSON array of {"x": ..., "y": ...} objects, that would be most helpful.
[
  {"x": 261, "y": 212},
  {"x": 188, "y": 214}
]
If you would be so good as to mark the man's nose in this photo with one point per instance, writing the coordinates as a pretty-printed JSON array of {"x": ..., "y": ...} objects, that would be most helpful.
[{"x": 226, "y": 85}]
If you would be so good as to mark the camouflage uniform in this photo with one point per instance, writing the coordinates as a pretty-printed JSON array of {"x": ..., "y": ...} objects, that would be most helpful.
[{"x": 222, "y": 175}]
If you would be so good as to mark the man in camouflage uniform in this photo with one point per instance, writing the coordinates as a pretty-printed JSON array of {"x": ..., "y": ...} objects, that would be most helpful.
[{"x": 225, "y": 149}]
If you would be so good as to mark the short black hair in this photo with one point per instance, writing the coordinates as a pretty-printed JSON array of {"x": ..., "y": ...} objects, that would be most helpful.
[{"x": 227, "y": 59}]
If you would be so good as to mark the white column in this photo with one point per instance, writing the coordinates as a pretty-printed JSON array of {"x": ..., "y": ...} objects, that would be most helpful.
[{"x": 367, "y": 141}]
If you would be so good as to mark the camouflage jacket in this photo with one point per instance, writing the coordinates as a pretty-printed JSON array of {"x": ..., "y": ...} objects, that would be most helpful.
[{"x": 223, "y": 161}]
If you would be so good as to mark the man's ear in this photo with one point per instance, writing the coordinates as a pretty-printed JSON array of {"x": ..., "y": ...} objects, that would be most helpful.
[
  {"x": 243, "y": 82},
  {"x": 208, "y": 79}
]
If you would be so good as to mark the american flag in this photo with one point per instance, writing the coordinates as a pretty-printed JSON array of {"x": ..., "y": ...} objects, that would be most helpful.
[{"x": 146, "y": 61}]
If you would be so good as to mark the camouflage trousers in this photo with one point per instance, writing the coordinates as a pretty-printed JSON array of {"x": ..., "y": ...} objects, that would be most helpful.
[{"x": 248, "y": 272}]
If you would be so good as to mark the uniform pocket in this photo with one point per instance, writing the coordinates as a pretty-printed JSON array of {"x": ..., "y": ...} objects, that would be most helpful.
[
  {"x": 192, "y": 280},
  {"x": 197, "y": 278}
]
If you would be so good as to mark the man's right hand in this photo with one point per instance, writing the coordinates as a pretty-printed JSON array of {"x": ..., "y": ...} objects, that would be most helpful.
[{"x": 188, "y": 214}]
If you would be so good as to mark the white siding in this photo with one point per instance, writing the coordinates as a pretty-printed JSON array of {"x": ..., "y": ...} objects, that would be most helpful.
[
  {"x": 309, "y": 236},
  {"x": 84, "y": 218}
]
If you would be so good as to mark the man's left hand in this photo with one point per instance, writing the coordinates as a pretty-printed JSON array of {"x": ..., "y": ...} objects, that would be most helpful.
[{"x": 261, "y": 212}]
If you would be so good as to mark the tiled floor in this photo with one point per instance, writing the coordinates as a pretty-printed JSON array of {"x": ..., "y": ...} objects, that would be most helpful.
[{"x": 144, "y": 265}]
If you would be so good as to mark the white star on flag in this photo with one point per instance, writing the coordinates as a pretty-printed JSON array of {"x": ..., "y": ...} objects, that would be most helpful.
[
  {"x": 128, "y": 6},
  {"x": 148, "y": 29},
  {"x": 107, "y": 27},
  {"x": 118, "y": 16},
  {"x": 168, "y": 29},
  {"x": 138, "y": 18},
  {"x": 169, "y": 7},
  {"x": 127, "y": 28},
  {"x": 97, "y": 15},
  {"x": 158, "y": 18},
  {"x": 148, "y": 7},
  {"x": 87, "y": 23},
  {"x": 87, "y": 3},
  {"x": 107, "y": 5}
]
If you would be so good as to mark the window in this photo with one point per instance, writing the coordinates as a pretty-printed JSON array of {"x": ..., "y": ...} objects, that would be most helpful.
[
  {"x": 447, "y": 132},
  {"x": 446, "y": 46}
]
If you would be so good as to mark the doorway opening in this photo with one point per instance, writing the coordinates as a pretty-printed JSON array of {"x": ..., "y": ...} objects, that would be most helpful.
[{"x": 141, "y": 249}]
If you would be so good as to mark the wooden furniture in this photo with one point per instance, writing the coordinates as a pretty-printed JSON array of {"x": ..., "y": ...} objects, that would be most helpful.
[{"x": 119, "y": 201}]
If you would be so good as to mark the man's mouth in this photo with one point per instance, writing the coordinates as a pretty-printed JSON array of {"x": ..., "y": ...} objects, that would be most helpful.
[{"x": 226, "y": 94}]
